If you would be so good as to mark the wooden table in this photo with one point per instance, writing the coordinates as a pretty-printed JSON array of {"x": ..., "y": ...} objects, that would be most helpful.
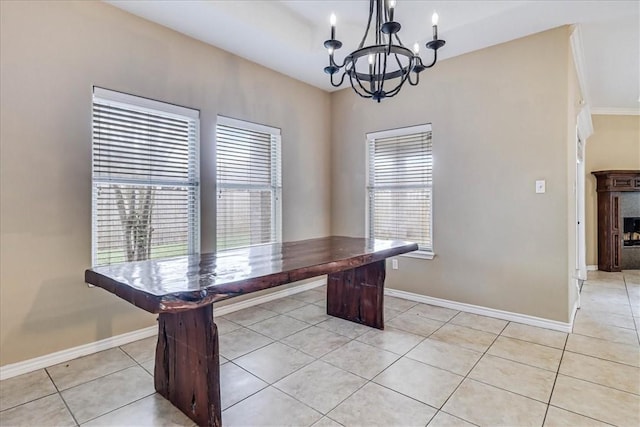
[{"x": 183, "y": 289}]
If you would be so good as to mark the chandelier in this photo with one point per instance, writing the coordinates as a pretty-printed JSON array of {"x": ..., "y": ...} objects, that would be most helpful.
[{"x": 388, "y": 64}]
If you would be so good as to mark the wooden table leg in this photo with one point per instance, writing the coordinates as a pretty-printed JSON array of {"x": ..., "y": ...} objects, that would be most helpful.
[
  {"x": 187, "y": 371},
  {"x": 357, "y": 294}
]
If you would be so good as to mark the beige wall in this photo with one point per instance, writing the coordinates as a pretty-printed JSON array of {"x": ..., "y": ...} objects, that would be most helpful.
[
  {"x": 52, "y": 54},
  {"x": 500, "y": 120},
  {"x": 615, "y": 144}
]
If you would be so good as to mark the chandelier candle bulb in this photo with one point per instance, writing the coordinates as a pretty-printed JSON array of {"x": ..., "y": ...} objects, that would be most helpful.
[
  {"x": 434, "y": 22},
  {"x": 392, "y": 5},
  {"x": 371, "y": 60},
  {"x": 416, "y": 48},
  {"x": 332, "y": 21}
]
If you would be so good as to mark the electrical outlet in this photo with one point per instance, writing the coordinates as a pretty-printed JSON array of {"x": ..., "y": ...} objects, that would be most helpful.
[
  {"x": 541, "y": 186},
  {"x": 394, "y": 264}
]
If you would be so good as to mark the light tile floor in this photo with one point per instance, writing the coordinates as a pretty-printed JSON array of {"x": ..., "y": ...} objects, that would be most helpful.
[{"x": 286, "y": 363}]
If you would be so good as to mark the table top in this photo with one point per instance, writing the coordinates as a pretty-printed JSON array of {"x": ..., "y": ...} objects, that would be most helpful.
[{"x": 187, "y": 282}]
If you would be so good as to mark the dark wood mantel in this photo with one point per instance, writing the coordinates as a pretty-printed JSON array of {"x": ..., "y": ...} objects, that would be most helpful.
[
  {"x": 610, "y": 185},
  {"x": 183, "y": 289}
]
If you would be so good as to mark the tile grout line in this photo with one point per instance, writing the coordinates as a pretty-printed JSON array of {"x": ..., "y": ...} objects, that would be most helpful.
[
  {"x": 602, "y": 358},
  {"x": 248, "y": 396},
  {"x": 30, "y": 401},
  {"x": 466, "y": 376},
  {"x": 393, "y": 363},
  {"x": 103, "y": 376},
  {"x": 426, "y": 364},
  {"x": 59, "y": 392},
  {"x": 367, "y": 381},
  {"x": 558, "y": 374},
  {"x": 455, "y": 416},
  {"x": 61, "y": 398},
  {"x": 626, "y": 288},
  {"x": 555, "y": 379},
  {"x": 124, "y": 406},
  {"x": 269, "y": 384},
  {"x": 581, "y": 415},
  {"x": 88, "y": 381}
]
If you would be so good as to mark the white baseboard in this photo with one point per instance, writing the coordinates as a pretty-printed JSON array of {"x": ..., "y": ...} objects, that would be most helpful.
[
  {"x": 484, "y": 311},
  {"x": 592, "y": 268},
  {"x": 19, "y": 368},
  {"x": 30, "y": 365}
]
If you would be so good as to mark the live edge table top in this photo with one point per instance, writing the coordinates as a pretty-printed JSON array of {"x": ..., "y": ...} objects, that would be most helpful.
[{"x": 187, "y": 282}]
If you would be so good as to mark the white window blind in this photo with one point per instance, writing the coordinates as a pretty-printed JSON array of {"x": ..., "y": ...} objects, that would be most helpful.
[
  {"x": 399, "y": 186},
  {"x": 145, "y": 179},
  {"x": 248, "y": 184}
]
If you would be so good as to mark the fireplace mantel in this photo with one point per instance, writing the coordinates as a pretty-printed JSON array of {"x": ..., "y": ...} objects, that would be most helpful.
[
  {"x": 617, "y": 180},
  {"x": 611, "y": 184}
]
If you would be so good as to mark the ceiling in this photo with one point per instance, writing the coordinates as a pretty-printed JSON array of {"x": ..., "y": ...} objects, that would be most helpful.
[{"x": 287, "y": 35}]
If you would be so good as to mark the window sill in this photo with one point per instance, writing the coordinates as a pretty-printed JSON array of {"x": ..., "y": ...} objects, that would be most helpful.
[{"x": 419, "y": 255}]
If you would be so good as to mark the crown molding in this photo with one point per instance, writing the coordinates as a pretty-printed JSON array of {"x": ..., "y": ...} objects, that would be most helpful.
[
  {"x": 616, "y": 111},
  {"x": 578, "y": 59},
  {"x": 585, "y": 125}
]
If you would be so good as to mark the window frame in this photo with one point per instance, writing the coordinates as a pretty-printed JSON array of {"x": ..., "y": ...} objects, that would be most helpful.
[
  {"x": 276, "y": 171},
  {"x": 422, "y": 253},
  {"x": 141, "y": 104}
]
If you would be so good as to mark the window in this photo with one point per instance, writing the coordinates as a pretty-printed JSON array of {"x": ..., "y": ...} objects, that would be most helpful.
[
  {"x": 399, "y": 186},
  {"x": 248, "y": 184},
  {"x": 145, "y": 179}
]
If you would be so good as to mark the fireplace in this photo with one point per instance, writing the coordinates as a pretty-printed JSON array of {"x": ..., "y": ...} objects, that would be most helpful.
[
  {"x": 618, "y": 219},
  {"x": 631, "y": 231}
]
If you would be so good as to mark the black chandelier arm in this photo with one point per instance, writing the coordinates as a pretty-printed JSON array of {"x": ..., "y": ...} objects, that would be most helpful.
[
  {"x": 417, "y": 79},
  {"x": 333, "y": 63},
  {"x": 341, "y": 80},
  {"x": 405, "y": 77},
  {"x": 402, "y": 82},
  {"x": 364, "y": 89},
  {"x": 395, "y": 91},
  {"x": 435, "y": 59},
  {"x": 355, "y": 89}
]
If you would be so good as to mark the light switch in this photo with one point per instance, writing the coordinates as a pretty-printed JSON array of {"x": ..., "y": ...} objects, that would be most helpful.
[
  {"x": 394, "y": 264},
  {"x": 541, "y": 186}
]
